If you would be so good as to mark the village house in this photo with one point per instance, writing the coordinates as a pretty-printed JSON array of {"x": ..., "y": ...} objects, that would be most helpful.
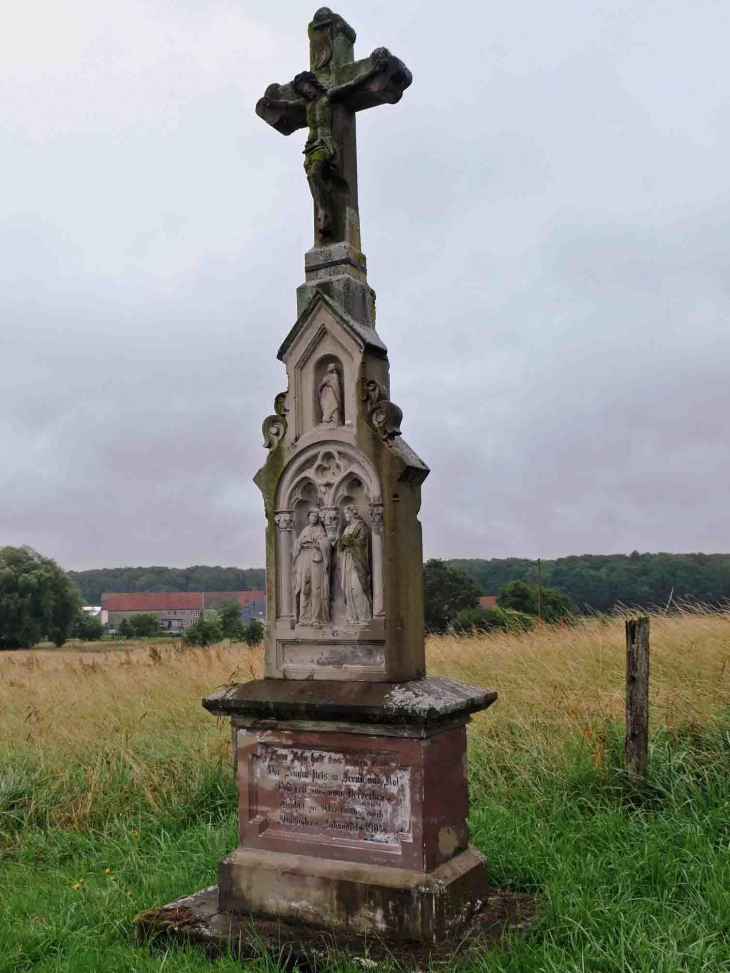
[{"x": 178, "y": 610}]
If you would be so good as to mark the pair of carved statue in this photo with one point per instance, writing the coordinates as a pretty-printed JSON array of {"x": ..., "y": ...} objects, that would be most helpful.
[{"x": 312, "y": 557}]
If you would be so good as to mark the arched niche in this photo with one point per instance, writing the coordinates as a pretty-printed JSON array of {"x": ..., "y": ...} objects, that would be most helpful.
[
  {"x": 334, "y": 392},
  {"x": 351, "y": 489},
  {"x": 329, "y": 476},
  {"x": 330, "y": 467},
  {"x": 305, "y": 497}
]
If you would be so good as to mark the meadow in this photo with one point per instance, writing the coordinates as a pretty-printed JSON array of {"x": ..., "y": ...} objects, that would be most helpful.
[{"x": 116, "y": 795}]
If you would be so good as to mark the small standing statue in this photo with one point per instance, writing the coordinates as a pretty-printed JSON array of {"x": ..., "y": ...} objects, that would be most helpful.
[
  {"x": 353, "y": 546},
  {"x": 312, "y": 560},
  {"x": 330, "y": 397}
]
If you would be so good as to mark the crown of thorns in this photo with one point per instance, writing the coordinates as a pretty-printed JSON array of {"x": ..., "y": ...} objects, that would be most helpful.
[{"x": 307, "y": 77}]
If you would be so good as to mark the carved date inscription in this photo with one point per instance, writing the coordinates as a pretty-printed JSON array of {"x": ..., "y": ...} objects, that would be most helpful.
[{"x": 345, "y": 796}]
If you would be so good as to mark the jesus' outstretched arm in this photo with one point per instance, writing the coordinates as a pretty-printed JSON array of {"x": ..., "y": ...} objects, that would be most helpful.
[{"x": 380, "y": 62}]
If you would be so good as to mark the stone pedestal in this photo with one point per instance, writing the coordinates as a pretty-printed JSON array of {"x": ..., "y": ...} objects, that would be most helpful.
[{"x": 352, "y": 807}]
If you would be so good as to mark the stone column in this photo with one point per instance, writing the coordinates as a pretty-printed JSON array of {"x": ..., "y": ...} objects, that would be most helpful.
[
  {"x": 284, "y": 546},
  {"x": 376, "y": 523}
]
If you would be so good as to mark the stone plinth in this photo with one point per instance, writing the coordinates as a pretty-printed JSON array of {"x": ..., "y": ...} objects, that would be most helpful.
[
  {"x": 352, "y": 805},
  {"x": 392, "y": 903}
]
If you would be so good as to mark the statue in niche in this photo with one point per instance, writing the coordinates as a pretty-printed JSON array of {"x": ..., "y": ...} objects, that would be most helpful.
[
  {"x": 355, "y": 568},
  {"x": 312, "y": 557},
  {"x": 330, "y": 397}
]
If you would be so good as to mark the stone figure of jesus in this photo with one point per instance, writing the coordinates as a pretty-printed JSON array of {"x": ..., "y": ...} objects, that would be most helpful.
[
  {"x": 312, "y": 561},
  {"x": 355, "y": 568},
  {"x": 330, "y": 396},
  {"x": 321, "y": 151}
]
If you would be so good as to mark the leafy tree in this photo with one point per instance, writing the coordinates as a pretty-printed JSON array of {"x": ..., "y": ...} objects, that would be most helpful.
[
  {"x": 37, "y": 599},
  {"x": 125, "y": 629},
  {"x": 469, "y": 620},
  {"x": 87, "y": 627},
  {"x": 144, "y": 625},
  {"x": 599, "y": 582},
  {"x": 557, "y": 607},
  {"x": 519, "y": 597},
  {"x": 253, "y": 632},
  {"x": 491, "y": 620},
  {"x": 524, "y": 598},
  {"x": 206, "y": 631},
  {"x": 446, "y": 591},
  {"x": 229, "y": 613}
]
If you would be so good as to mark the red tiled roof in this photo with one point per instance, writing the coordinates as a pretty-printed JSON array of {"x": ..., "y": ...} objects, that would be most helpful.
[
  {"x": 488, "y": 601},
  {"x": 143, "y": 601}
]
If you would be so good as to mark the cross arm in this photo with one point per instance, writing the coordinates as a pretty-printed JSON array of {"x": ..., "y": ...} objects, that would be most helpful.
[
  {"x": 282, "y": 108},
  {"x": 379, "y": 79}
]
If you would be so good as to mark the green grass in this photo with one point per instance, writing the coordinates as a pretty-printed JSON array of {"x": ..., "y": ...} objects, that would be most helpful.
[
  {"x": 108, "y": 761},
  {"x": 624, "y": 884}
]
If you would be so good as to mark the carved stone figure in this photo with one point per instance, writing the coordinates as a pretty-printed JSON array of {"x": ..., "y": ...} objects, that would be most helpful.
[
  {"x": 383, "y": 416},
  {"x": 331, "y": 521},
  {"x": 274, "y": 427},
  {"x": 312, "y": 557},
  {"x": 355, "y": 568},
  {"x": 322, "y": 154},
  {"x": 330, "y": 396}
]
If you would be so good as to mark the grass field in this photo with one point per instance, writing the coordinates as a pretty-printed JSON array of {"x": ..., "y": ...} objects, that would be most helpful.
[{"x": 116, "y": 795}]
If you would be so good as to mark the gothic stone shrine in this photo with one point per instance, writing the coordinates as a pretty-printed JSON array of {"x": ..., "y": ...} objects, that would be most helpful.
[{"x": 351, "y": 763}]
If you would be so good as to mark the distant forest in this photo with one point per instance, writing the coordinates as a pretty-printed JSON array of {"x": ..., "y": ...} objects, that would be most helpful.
[
  {"x": 593, "y": 581},
  {"x": 93, "y": 583},
  {"x": 601, "y": 581}
]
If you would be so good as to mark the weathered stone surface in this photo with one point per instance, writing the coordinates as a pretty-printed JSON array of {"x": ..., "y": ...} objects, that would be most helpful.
[
  {"x": 351, "y": 766},
  {"x": 336, "y": 456},
  {"x": 356, "y": 898},
  {"x": 197, "y": 920},
  {"x": 325, "y": 100},
  {"x": 398, "y": 801},
  {"x": 423, "y": 702},
  {"x": 324, "y": 466}
]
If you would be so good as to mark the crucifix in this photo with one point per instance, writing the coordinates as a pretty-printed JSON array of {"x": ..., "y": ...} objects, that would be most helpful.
[{"x": 325, "y": 100}]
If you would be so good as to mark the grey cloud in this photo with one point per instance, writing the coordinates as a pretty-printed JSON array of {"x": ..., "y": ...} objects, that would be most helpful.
[{"x": 545, "y": 216}]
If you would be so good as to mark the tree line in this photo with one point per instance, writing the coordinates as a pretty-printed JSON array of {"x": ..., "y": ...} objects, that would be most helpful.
[
  {"x": 200, "y": 577},
  {"x": 594, "y": 582},
  {"x": 451, "y": 603},
  {"x": 39, "y": 601},
  {"x": 600, "y": 582}
]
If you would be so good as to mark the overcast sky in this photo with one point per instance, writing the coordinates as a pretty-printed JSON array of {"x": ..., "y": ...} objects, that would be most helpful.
[{"x": 545, "y": 216}]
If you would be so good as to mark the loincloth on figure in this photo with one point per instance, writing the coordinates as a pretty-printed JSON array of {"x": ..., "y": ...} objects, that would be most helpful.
[{"x": 325, "y": 150}]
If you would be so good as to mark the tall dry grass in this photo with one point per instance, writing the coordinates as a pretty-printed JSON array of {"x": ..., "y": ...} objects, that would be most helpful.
[
  {"x": 112, "y": 772},
  {"x": 60, "y": 704},
  {"x": 573, "y": 678}
]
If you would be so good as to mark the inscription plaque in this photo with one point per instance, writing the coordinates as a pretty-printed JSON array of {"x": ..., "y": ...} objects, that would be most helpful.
[
  {"x": 332, "y": 655},
  {"x": 348, "y": 797}
]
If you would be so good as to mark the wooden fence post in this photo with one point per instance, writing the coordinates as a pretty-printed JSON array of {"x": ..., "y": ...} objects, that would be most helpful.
[{"x": 636, "y": 742}]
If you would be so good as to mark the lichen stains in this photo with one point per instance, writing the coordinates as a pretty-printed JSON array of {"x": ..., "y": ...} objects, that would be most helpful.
[{"x": 448, "y": 841}]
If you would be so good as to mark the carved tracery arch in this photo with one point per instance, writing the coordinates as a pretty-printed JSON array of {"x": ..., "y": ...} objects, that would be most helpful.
[{"x": 328, "y": 476}]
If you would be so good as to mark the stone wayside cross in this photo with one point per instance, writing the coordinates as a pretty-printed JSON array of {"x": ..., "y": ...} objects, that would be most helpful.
[
  {"x": 351, "y": 763},
  {"x": 325, "y": 99}
]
